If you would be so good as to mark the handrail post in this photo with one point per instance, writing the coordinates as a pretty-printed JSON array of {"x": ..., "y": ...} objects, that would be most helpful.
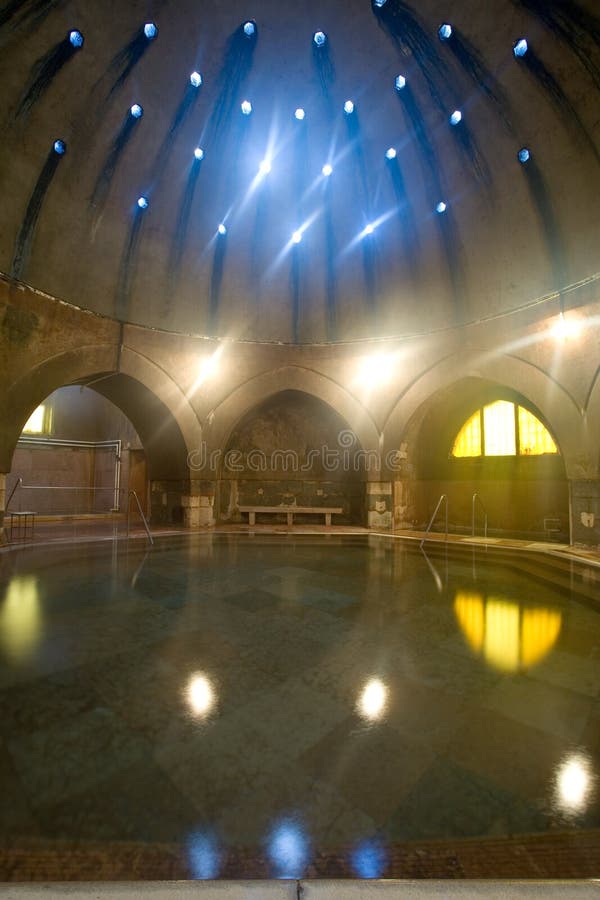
[
  {"x": 443, "y": 499},
  {"x": 17, "y": 483},
  {"x": 485, "y": 516},
  {"x": 143, "y": 517}
]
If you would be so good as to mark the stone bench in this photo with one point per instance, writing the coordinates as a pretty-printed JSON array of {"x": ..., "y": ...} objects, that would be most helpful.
[{"x": 291, "y": 511}]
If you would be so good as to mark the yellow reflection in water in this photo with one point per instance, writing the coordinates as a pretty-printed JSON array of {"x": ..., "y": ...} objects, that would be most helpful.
[
  {"x": 509, "y": 638},
  {"x": 574, "y": 782},
  {"x": 201, "y": 695},
  {"x": 20, "y": 617},
  {"x": 373, "y": 700}
]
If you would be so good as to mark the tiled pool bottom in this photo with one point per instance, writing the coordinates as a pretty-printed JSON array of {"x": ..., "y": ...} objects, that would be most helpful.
[{"x": 290, "y": 705}]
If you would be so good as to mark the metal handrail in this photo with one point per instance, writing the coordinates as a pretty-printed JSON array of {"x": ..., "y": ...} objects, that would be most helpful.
[
  {"x": 443, "y": 498},
  {"x": 476, "y": 498},
  {"x": 18, "y": 482},
  {"x": 143, "y": 517}
]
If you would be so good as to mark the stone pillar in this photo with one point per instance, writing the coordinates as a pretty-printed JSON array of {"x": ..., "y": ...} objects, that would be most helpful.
[
  {"x": 2, "y": 504},
  {"x": 198, "y": 506},
  {"x": 585, "y": 513},
  {"x": 404, "y": 503},
  {"x": 379, "y": 504}
]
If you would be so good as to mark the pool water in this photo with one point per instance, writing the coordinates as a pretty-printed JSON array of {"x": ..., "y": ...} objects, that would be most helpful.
[{"x": 293, "y": 695}]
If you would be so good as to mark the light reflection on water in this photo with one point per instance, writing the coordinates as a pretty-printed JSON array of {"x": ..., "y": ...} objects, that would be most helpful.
[
  {"x": 21, "y": 618},
  {"x": 204, "y": 856},
  {"x": 288, "y": 849},
  {"x": 373, "y": 700},
  {"x": 201, "y": 695},
  {"x": 575, "y": 783},
  {"x": 511, "y": 636},
  {"x": 242, "y": 672}
]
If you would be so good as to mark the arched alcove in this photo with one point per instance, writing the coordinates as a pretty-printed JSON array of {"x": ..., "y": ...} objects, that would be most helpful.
[
  {"x": 523, "y": 495},
  {"x": 293, "y": 448}
]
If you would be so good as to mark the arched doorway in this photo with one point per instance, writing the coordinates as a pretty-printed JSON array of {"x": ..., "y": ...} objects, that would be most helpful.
[{"x": 93, "y": 409}]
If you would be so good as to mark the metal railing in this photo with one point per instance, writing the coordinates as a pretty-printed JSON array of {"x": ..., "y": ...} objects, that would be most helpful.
[
  {"x": 66, "y": 499},
  {"x": 443, "y": 499},
  {"x": 477, "y": 499},
  {"x": 143, "y": 517},
  {"x": 17, "y": 483}
]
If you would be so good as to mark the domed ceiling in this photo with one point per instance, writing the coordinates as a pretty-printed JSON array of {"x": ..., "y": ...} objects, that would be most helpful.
[{"x": 373, "y": 172}]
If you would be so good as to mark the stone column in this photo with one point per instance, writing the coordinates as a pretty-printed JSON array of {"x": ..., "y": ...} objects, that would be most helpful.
[
  {"x": 404, "y": 503},
  {"x": 2, "y": 504},
  {"x": 379, "y": 504},
  {"x": 585, "y": 513}
]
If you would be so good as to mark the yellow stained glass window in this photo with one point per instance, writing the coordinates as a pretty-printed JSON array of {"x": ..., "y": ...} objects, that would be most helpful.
[
  {"x": 534, "y": 438},
  {"x": 499, "y": 429},
  {"x": 40, "y": 421},
  {"x": 468, "y": 441},
  {"x": 498, "y": 437}
]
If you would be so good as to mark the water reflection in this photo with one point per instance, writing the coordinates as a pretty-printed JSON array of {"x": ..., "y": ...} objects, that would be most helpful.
[
  {"x": 201, "y": 695},
  {"x": 203, "y": 856},
  {"x": 510, "y": 636},
  {"x": 369, "y": 859},
  {"x": 20, "y": 617},
  {"x": 574, "y": 783},
  {"x": 288, "y": 849},
  {"x": 372, "y": 702}
]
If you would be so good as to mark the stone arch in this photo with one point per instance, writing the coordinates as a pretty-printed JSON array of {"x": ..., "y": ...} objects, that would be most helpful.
[
  {"x": 224, "y": 418},
  {"x": 155, "y": 405},
  {"x": 555, "y": 405}
]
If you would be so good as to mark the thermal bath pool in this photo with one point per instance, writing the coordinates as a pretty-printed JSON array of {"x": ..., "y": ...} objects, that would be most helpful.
[{"x": 257, "y": 703}]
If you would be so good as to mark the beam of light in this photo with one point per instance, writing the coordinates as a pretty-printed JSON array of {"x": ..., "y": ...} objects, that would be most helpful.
[
  {"x": 265, "y": 167},
  {"x": 21, "y": 618},
  {"x": 290, "y": 245},
  {"x": 574, "y": 783},
  {"x": 296, "y": 237},
  {"x": 327, "y": 170},
  {"x": 375, "y": 371},
  {"x": 203, "y": 856},
  {"x": 369, "y": 229},
  {"x": 201, "y": 695},
  {"x": 372, "y": 702},
  {"x": 288, "y": 849},
  {"x": 209, "y": 365},
  {"x": 369, "y": 859},
  {"x": 566, "y": 329}
]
